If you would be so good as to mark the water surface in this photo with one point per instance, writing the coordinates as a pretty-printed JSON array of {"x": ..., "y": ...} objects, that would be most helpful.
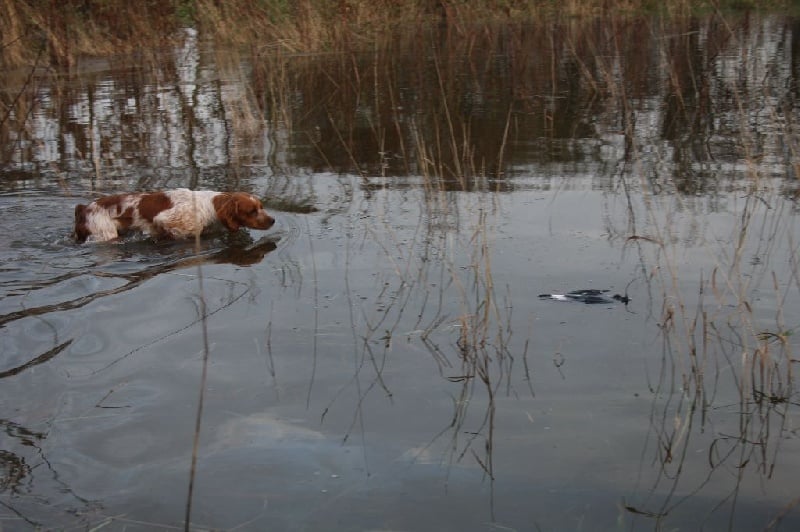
[{"x": 380, "y": 358}]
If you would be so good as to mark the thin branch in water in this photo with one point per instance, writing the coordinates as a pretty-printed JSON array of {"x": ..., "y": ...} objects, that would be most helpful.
[
  {"x": 316, "y": 314},
  {"x": 203, "y": 379}
]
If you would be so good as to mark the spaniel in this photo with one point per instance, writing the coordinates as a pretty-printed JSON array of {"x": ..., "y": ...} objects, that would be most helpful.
[{"x": 171, "y": 214}]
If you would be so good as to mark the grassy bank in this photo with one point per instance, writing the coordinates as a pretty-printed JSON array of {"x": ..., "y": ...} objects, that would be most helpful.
[{"x": 56, "y": 32}]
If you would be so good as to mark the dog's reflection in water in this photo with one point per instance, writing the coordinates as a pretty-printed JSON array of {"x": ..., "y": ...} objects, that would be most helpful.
[
  {"x": 240, "y": 251},
  {"x": 244, "y": 256},
  {"x": 146, "y": 257},
  {"x": 235, "y": 253}
]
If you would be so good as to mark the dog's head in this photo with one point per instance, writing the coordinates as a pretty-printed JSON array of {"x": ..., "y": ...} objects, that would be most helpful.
[{"x": 239, "y": 209}]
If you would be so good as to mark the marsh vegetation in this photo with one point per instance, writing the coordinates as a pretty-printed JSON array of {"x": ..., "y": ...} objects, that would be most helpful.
[{"x": 380, "y": 358}]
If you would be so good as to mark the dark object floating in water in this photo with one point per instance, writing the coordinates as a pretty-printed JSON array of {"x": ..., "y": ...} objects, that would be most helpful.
[{"x": 589, "y": 296}]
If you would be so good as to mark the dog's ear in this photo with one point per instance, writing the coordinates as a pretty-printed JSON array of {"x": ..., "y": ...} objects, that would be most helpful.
[
  {"x": 227, "y": 209},
  {"x": 80, "y": 233}
]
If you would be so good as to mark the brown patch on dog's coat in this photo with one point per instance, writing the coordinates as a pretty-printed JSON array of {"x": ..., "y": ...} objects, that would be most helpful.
[{"x": 152, "y": 204}]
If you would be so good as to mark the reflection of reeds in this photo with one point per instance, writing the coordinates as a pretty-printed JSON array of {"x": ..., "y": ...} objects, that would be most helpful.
[
  {"x": 428, "y": 101},
  {"x": 482, "y": 347},
  {"x": 717, "y": 355},
  {"x": 718, "y": 360},
  {"x": 709, "y": 354}
]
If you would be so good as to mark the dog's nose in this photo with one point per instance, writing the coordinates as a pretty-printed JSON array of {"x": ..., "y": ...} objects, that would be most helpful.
[{"x": 267, "y": 221}]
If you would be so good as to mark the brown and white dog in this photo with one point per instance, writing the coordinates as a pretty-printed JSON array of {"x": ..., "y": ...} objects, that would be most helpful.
[{"x": 171, "y": 214}]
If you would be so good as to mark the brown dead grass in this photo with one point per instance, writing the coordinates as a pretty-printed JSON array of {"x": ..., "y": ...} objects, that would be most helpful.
[{"x": 67, "y": 29}]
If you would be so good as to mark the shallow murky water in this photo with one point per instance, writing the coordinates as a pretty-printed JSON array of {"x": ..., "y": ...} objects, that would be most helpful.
[{"x": 381, "y": 358}]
